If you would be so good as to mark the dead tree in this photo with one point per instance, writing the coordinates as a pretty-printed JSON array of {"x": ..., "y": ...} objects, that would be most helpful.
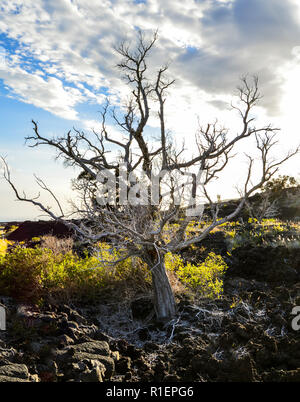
[{"x": 137, "y": 227}]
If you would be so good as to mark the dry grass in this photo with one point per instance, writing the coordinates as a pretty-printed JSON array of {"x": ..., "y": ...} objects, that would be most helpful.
[
  {"x": 177, "y": 286},
  {"x": 58, "y": 246}
]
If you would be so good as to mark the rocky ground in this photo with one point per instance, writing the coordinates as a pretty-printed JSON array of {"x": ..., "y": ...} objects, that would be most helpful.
[{"x": 244, "y": 336}]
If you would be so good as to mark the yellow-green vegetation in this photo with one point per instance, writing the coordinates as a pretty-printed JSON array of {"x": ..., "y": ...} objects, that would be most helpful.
[
  {"x": 253, "y": 232},
  {"x": 267, "y": 232},
  {"x": 205, "y": 278},
  {"x": 36, "y": 274},
  {"x": 39, "y": 273},
  {"x": 36, "y": 239},
  {"x": 3, "y": 246},
  {"x": 4, "y": 243},
  {"x": 193, "y": 229},
  {"x": 12, "y": 228},
  {"x": 52, "y": 270}
]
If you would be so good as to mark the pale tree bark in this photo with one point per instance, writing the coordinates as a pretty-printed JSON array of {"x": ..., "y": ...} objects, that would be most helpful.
[{"x": 164, "y": 301}]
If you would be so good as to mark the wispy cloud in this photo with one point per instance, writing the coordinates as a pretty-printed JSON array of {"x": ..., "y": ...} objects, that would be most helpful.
[{"x": 211, "y": 43}]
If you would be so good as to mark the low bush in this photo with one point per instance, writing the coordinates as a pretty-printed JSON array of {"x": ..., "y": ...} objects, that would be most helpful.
[
  {"x": 4, "y": 246},
  {"x": 37, "y": 274},
  {"x": 267, "y": 232},
  {"x": 205, "y": 278},
  {"x": 40, "y": 274}
]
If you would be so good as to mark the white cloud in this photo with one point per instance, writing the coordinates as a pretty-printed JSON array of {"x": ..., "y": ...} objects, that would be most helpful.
[
  {"x": 68, "y": 47},
  {"x": 46, "y": 93},
  {"x": 211, "y": 43}
]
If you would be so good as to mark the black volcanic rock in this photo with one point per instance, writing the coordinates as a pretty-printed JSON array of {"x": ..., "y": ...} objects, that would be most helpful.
[{"x": 28, "y": 229}]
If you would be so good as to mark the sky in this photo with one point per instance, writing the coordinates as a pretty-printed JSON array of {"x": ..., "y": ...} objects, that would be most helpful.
[{"x": 58, "y": 66}]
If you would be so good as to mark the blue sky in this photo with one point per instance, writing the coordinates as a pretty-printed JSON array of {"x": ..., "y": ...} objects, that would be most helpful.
[{"x": 57, "y": 65}]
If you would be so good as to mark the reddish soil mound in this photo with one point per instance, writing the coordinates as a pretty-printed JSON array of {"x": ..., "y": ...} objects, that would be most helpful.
[{"x": 27, "y": 230}]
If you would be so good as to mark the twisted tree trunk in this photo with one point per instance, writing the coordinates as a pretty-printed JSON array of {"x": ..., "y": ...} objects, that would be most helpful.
[{"x": 164, "y": 301}]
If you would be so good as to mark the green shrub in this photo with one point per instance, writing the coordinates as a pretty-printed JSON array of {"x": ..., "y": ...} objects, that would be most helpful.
[
  {"x": 264, "y": 233},
  {"x": 205, "y": 278},
  {"x": 36, "y": 274},
  {"x": 3, "y": 246},
  {"x": 39, "y": 274}
]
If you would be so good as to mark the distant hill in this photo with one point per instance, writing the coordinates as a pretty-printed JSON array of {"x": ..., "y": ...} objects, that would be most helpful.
[
  {"x": 287, "y": 203},
  {"x": 29, "y": 229}
]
